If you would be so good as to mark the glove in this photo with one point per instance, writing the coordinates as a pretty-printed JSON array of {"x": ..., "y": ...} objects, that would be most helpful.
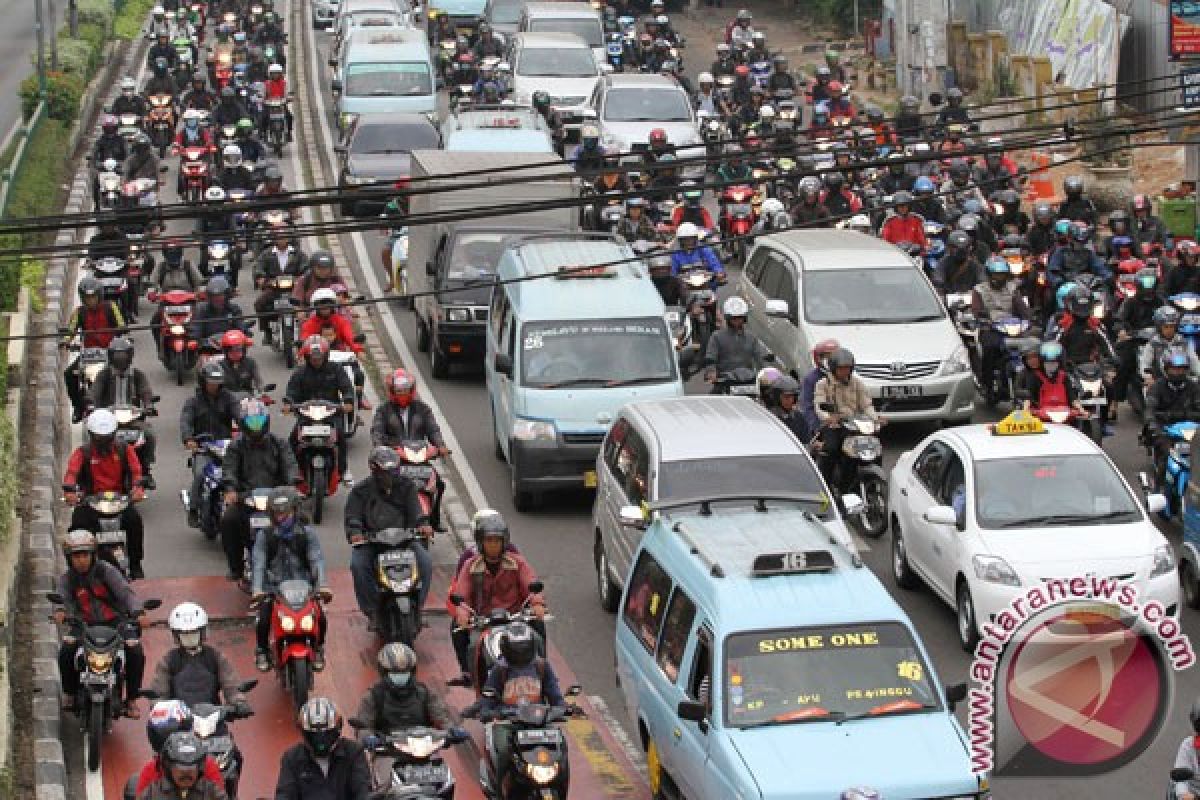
[
  {"x": 242, "y": 709},
  {"x": 326, "y": 594},
  {"x": 459, "y": 734},
  {"x": 371, "y": 741}
]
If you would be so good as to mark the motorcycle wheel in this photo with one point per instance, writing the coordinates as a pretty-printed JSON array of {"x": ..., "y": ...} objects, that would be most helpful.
[
  {"x": 299, "y": 681},
  {"x": 289, "y": 352},
  {"x": 405, "y": 628},
  {"x": 874, "y": 520},
  {"x": 95, "y": 730},
  {"x": 180, "y": 368},
  {"x": 318, "y": 486}
]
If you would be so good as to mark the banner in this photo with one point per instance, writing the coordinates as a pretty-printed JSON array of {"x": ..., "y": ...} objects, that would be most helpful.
[{"x": 1185, "y": 28}]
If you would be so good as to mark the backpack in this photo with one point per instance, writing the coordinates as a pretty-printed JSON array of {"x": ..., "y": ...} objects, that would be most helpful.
[{"x": 208, "y": 654}]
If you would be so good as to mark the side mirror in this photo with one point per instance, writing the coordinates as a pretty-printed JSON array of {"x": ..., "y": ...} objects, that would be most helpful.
[
  {"x": 246, "y": 686},
  {"x": 456, "y": 600},
  {"x": 691, "y": 711},
  {"x": 340, "y": 148},
  {"x": 955, "y": 694},
  {"x": 1181, "y": 774},
  {"x": 936, "y": 99},
  {"x": 154, "y": 398},
  {"x": 335, "y": 85},
  {"x": 429, "y": 268},
  {"x": 356, "y": 723},
  {"x": 829, "y": 408},
  {"x": 270, "y": 387},
  {"x": 152, "y": 603},
  {"x": 489, "y": 694},
  {"x": 778, "y": 308},
  {"x": 1156, "y": 503},
  {"x": 55, "y": 597},
  {"x": 632, "y": 517},
  {"x": 359, "y": 338},
  {"x": 504, "y": 364},
  {"x": 536, "y": 587},
  {"x": 941, "y": 515},
  {"x": 163, "y": 169},
  {"x": 574, "y": 690},
  {"x": 853, "y": 504}
]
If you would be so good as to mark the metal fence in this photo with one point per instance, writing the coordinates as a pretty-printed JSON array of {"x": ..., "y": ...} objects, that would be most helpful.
[{"x": 21, "y": 133}]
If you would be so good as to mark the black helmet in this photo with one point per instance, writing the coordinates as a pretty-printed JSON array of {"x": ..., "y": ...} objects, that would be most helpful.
[
  {"x": 488, "y": 522},
  {"x": 954, "y": 96},
  {"x": 780, "y": 61},
  {"x": 835, "y": 180},
  {"x": 785, "y": 385},
  {"x": 90, "y": 286},
  {"x": 840, "y": 358},
  {"x": 183, "y": 749},
  {"x": 273, "y": 173},
  {"x": 383, "y": 459},
  {"x": 902, "y": 199},
  {"x": 217, "y": 285},
  {"x": 518, "y": 645},
  {"x": 1043, "y": 213},
  {"x": 1073, "y": 186},
  {"x": 120, "y": 352},
  {"x": 212, "y": 372},
  {"x": 958, "y": 240},
  {"x": 321, "y": 258},
  {"x": 321, "y": 725},
  {"x": 1078, "y": 302},
  {"x": 960, "y": 169}
]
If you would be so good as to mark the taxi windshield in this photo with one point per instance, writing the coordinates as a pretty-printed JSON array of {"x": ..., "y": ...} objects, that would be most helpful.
[
  {"x": 1051, "y": 490},
  {"x": 825, "y": 674}
]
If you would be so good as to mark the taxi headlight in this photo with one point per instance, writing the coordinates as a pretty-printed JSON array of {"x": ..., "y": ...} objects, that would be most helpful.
[
  {"x": 458, "y": 314},
  {"x": 865, "y": 448},
  {"x": 994, "y": 569},
  {"x": 99, "y": 662},
  {"x": 306, "y": 623},
  {"x": 287, "y": 623},
  {"x": 958, "y": 362},
  {"x": 531, "y": 430},
  {"x": 541, "y": 774},
  {"x": 1164, "y": 561}
]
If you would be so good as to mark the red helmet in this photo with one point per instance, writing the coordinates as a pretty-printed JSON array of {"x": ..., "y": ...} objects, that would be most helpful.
[
  {"x": 742, "y": 71},
  {"x": 467, "y": 58},
  {"x": 835, "y": 87},
  {"x": 315, "y": 345},
  {"x": 234, "y": 342},
  {"x": 401, "y": 387},
  {"x": 823, "y": 349},
  {"x": 657, "y": 137},
  {"x": 1141, "y": 202}
]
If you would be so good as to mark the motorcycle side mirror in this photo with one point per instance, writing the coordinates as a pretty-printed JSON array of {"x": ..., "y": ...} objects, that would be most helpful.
[
  {"x": 152, "y": 603},
  {"x": 359, "y": 338},
  {"x": 270, "y": 387},
  {"x": 536, "y": 587},
  {"x": 339, "y": 148},
  {"x": 55, "y": 597},
  {"x": 1181, "y": 774},
  {"x": 163, "y": 169},
  {"x": 936, "y": 99},
  {"x": 335, "y": 85},
  {"x": 829, "y": 408},
  {"x": 955, "y": 694},
  {"x": 333, "y": 62},
  {"x": 356, "y": 723},
  {"x": 574, "y": 690},
  {"x": 155, "y": 398},
  {"x": 457, "y": 600},
  {"x": 504, "y": 364},
  {"x": 246, "y": 686},
  {"x": 488, "y": 693},
  {"x": 691, "y": 711}
]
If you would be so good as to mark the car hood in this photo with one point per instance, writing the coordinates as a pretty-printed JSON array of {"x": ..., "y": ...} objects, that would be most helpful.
[
  {"x": 416, "y": 103},
  {"x": 588, "y": 410},
  {"x": 1105, "y": 550},
  {"x": 921, "y": 755},
  {"x": 460, "y": 8},
  {"x": 629, "y": 133},
  {"x": 884, "y": 343},
  {"x": 555, "y": 87},
  {"x": 384, "y": 166}
]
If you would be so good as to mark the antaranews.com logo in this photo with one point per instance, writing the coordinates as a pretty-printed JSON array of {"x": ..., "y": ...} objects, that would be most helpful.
[{"x": 1074, "y": 678}]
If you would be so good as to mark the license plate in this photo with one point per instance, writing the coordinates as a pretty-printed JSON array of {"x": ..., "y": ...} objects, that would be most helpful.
[
  {"x": 98, "y": 680},
  {"x": 901, "y": 391},
  {"x": 589, "y": 479},
  {"x": 544, "y": 736},
  {"x": 1094, "y": 401},
  {"x": 425, "y": 773},
  {"x": 414, "y": 471},
  {"x": 177, "y": 309},
  {"x": 259, "y": 521},
  {"x": 742, "y": 391},
  {"x": 396, "y": 557},
  {"x": 316, "y": 430},
  {"x": 110, "y": 537},
  {"x": 1190, "y": 319}
]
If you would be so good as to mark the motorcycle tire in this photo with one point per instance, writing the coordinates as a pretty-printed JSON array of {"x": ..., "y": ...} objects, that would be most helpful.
[
  {"x": 180, "y": 367},
  {"x": 318, "y": 486},
  {"x": 285, "y": 343},
  {"x": 95, "y": 730},
  {"x": 405, "y": 629},
  {"x": 873, "y": 522},
  {"x": 299, "y": 681}
]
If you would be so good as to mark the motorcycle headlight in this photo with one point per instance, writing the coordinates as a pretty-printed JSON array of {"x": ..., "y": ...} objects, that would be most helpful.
[
  {"x": 532, "y": 430},
  {"x": 994, "y": 569},
  {"x": 958, "y": 362},
  {"x": 1164, "y": 561},
  {"x": 863, "y": 448},
  {"x": 541, "y": 774},
  {"x": 419, "y": 747},
  {"x": 307, "y": 623},
  {"x": 287, "y": 623},
  {"x": 99, "y": 662},
  {"x": 458, "y": 314}
]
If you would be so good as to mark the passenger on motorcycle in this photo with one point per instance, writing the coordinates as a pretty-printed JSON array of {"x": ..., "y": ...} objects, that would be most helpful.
[
  {"x": 97, "y": 322},
  {"x": 588, "y": 156},
  {"x": 183, "y": 774},
  {"x": 809, "y": 209},
  {"x": 820, "y": 91},
  {"x": 160, "y": 81},
  {"x": 318, "y": 379},
  {"x": 1047, "y": 385},
  {"x": 635, "y": 224},
  {"x": 1175, "y": 398},
  {"x": 233, "y": 174},
  {"x": 903, "y": 226},
  {"x": 109, "y": 145},
  {"x": 707, "y": 98},
  {"x": 129, "y": 101},
  {"x": 211, "y": 411},
  {"x": 1041, "y": 232},
  {"x": 96, "y": 593},
  {"x": 845, "y": 393},
  {"x": 289, "y": 549},
  {"x": 732, "y": 346},
  {"x": 253, "y": 150},
  {"x": 692, "y": 253},
  {"x": 337, "y": 330},
  {"x": 172, "y": 273},
  {"x": 398, "y": 701},
  {"x": 993, "y": 300},
  {"x": 782, "y": 401},
  {"x": 218, "y": 313},
  {"x": 840, "y": 200},
  {"x": 110, "y": 240},
  {"x": 1077, "y": 207},
  {"x": 1147, "y": 228},
  {"x": 166, "y": 717},
  {"x": 122, "y": 383},
  {"x": 1135, "y": 314},
  {"x": 1079, "y": 257},
  {"x": 242, "y": 376},
  {"x": 1166, "y": 337},
  {"x": 320, "y": 275},
  {"x": 897, "y": 178},
  {"x": 1185, "y": 275},
  {"x": 808, "y": 386},
  {"x": 735, "y": 169},
  {"x": 229, "y": 109},
  {"x": 772, "y": 218},
  {"x": 495, "y": 577},
  {"x": 282, "y": 258},
  {"x": 193, "y": 671}
]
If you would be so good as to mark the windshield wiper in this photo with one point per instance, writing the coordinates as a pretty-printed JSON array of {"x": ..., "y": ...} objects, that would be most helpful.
[
  {"x": 922, "y": 318},
  {"x": 638, "y": 381},
  {"x": 849, "y": 321},
  {"x": 1050, "y": 519},
  {"x": 572, "y": 382},
  {"x": 832, "y": 716},
  {"x": 913, "y": 709}
]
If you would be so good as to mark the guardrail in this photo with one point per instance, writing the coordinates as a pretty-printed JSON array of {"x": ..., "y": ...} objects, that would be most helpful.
[{"x": 24, "y": 131}]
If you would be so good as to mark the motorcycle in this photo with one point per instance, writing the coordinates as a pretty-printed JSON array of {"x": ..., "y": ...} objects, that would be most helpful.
[
  {"x": 1179, "y": 775},
  {"x": 210, "y": 723},
  {"x": 161, "y": 122},
  {"x": 1188, "y": 304},
  {"x": 295, "y": 621},
  {"x": 111, "y": 544},
  {"x": 1093, "y": 396},
  {"x": 1178, "y": 467},
  {"x": 741, "y": 382},
  {"x": 276, "y": 110},
  {"x": 737, "y": 219},
  {"x": 316, "y": 451},
  {"x": 538, "y": 759},
  {"x": 225, "y": 137},
  {"x": 101, "y": 664},
  {"x": 615, "y": 50},
  {"x": 283, "y": 319},
  {"x": 108, "y": 179},
  {"x": 129, "y": 417},
  {"x": 862, "y": 472},
  {"x": 177, "y": 348},
  {"x": 211, "y": 504},
  {"x": 223, "y": 70},
  {"x": 219, "y": 260},
  {"x": 129, "y": 126},
  {"x": 406, "y": 764},
  {"x": 713, "y": 132},
  {"x": 760, "y": 72},
  {"x": 91, "y": 361},
  {"x": 415, "y": 464},
  {"x": 487, "y": 631},
  {"x": 1004, "y": 383},
  {"x": 700, "y": 299},
  {"x": 195, "y": 172},
  {"x": 680, "y": 323},
  {"x": 347, "y": 360},
  {"x": 398, "y": 614},
  {"x": 1126, "y": 275},
  {"x": 113, "y": 274}
]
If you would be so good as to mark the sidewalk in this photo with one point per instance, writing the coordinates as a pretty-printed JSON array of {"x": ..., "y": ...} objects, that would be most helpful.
[{"x": 599, "y": 767}]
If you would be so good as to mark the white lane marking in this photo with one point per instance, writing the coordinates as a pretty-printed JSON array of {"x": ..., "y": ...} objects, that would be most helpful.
[
  {"x": 93, "y": 782},
  {"x": 458, "y": 455}
]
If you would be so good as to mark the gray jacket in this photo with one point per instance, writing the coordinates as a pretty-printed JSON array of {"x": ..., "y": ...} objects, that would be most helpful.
[
  {"x": 1152, "y": 352},
  {"x": 287, "y": 563},
  {"x": 729, "y": 350},
  {"x": 1187, "y": 756}
]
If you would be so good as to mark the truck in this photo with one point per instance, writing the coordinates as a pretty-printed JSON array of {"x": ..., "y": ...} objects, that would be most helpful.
[{"x": 455, "y": 261}]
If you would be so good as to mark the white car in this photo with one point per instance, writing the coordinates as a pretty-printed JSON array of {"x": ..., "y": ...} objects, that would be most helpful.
[
  {"x": 629, "y": 105},
  {"x": 1030, "y": 507},
  {"x": 559, "y": 64}
]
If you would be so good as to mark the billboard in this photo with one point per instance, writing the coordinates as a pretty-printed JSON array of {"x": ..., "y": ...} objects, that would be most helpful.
[{"x": 1185, "y": 28}]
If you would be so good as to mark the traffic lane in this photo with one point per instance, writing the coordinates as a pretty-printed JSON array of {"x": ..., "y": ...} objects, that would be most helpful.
[{"x": 17, "y": 43}]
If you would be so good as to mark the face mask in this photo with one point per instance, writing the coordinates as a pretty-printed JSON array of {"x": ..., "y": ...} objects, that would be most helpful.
[
  {"x": 322, "y": 742},
  {"x": 190, "y": 640},
  {"x": 400, "y": 680}
]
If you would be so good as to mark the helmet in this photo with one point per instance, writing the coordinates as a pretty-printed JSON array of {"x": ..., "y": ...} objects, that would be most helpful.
[
  {"x": 214, "y": 194},
  {"x": 860, "y": 223},
  {"x": 766, "y": 114},
  {"x": 960, "y": 169},
  {"x": 518, "y": 645},
  {"x": 273, "y": 173},
  {"x": 1043, "y": 213},
  {"x": 1176, "y": 359},
  {"x": 954, "y": 96},
  {"x": 590, "y": 134},
  {"x": 1073, "y": 186},
  {"x": 780, "y": 61},
  {"x": 997, "y": 266},
  {"x": 1166, "y": 315},
  {"x": 785, "y": 385},
  {"x": 188, "y": 622},
  {"x": 183, "y": 749},
  {"x": 253, "y": 417},
  {"x": 128, "y": 85},
  {"x": 275, "y": 70},
  {"x": 772, "y": 206},
  {"x": 228, "y": 93},
  {"x": 657, "y": 137},
  {"x": 401, "y": 387},
  {"x": 120, "y": 352},
  {"x": 90, "y": 287},
  {"x": 383, "y": 459},
  {"x": 823, "y": 71},
  {"x": 108, "y": 124},
  {"x": 687, "y": 231},
  {"x": 167, "y": 717},
  {"x": 958, "y": 240},
  {"x": 281, "y": 500},
  {"x": 217, "y": 285},
  {"x": 758, "y": 38},
  {"x": 1080, "y": 232},
  {"x": 487, "y": 522},
  {"x": 765, "y": 379},
  {"x": 1186, "y": 248},
  {"x": 1147, "y": 280},
  {"x": 744, "y": 15},
  {"x": 823, "y": 349},
  {"x": 1062, "y": 227},
  {"x": 835, "y": 180},
  {"x": 141, "y": 141},
  {"x": 1050, "y": 351},
  {"x": 662, "y": 19},
  {"x": 735, "y": 307},
  {"x": 232, "y": 339},
  {"x": 396, "y": 663},
  {"x": 79, "y": 541},
  {"x": 840, "y": 358},
  {"x": 723, "y": 50},
  {"x": 323, "y": 297},
  {"x": 874, "y": 113},
  {"x": 704, "y": 77},
  {"x": 231, "y": 156},
  {"x": 923, "y": 185},
  {"x": 315, "y": 345},
  {"x": 968, "y": 223},
  {"x": 909, "y": 103},
  {"x": 321, "y": 258},
  {"x": 212, "y": 372},
  {"x": 1009, "y": 198},
  {"x": 902, "y": 199},
  {"x": 541, "y": 99},
  {"x": 1116, "y": 217},
  {"x": 321, "y": 725},
  {"x": 1079, "y": 302}
]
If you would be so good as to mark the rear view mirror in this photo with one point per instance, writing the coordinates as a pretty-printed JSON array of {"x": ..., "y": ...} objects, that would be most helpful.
[
  {"x": 359, "y": 338},
  {"x": 456, "y": 600},
  {"x": 152, "y": 603},
  {"x": 632, "y": 517},
  {"x": 536, "y": 587},
  {"x": 55, "y": 597},
  {"x": 335, "y": 85},
  {"x": 941, "y": 515},
  {"x": 691, "y": 711},
  {"x": 778, "y": 308},
  {"x": 333, "y": 62},
  {"x": 356, "y": 723}
]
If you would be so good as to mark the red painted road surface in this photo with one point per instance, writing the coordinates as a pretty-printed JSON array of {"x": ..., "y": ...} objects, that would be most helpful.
[{"x": 599, "y": 767}]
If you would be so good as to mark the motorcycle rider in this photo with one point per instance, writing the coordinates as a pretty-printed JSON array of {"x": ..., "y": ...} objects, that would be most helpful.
[
  {"x": 773, "y": 217},
  {"x": 734, "y": 170},
  {"x": 487, "y": 45},
  {"x": 820, "y": 359},
  {"x": 780, "y": 78},
  {"x": 897, "y": 178},
  {"x": 1076, "y": 207},
  {"x": 318, "y": 379},
  {"x": 725, "y": 64},
  {"x": 405, "y": 417},
  {"x": 903, "y": 226},
  {"x": 1166, "y": 337},
  {"x": 166, "y": 717},
  {"x": 162, "y": 49},
  {"x": 183, "y": 772},
  {"x": 326, "y": 765},
  {"x": 199, "y": 97},
  {"x": 848, "y": 396},
  {"x": 740, "y": 31},
  {"x": 635, "y": 224},
  {"x": 810, "y": 209},
  {"x": 1185, "y": 275},
  {"x": 691, "y": 210},
  {"x": 257, "y": 459},
  {"x": 588, "y": 156},
  {"x": 211, "y": 411},
  {"x": 289, "y": 549},
  {"x": 1041, "y": 232},
  {"x": 242, "y": 376},
  {"x": 494, "y": 577},
  {"x": 172, "y": 273},
  {"x": 230, "y": 109},
  {"x": 142, "y": 162},
  {"x": 926, "y": 202},
  {"x": 908, "y": 119},
  {"x": 161, "y": 81},
  {"x": 960, "y": 267},
  {"x": 707, "y": 98},
  {"x": 664, "y": 183},
  {"x": 1146, "y": 227},
  {"x": 218, "y": 313},
  {"x": 129, "y": 101},
  {"x": 252, "y": 149},
  {"x": 122, "y": 383},
  {"x": 97, "y": 322},
  {"x": 284, "y": 258},
  {"x": 1188, "y": 756},
  {"x": 954, "y": 112},
  {"x": 96, "y": 593},
  {"x": 993, "y": 300},
  {"x": 690, "y": 253},
  {"x": 194, "y": 671},
  {"x": 840, "y": 200},
  {"x": 1065, "y": 263},
  {"x": 109, "y": 145},
  {"x": 1012, "y": 217},
  {"x": 732, "y": 346},
  {"x": 1135, "y": 314},
  {"x": 319, "y": 275},
  {"x": 782, "y": 400},
  {"x": 336, "y": 329},
  {"x": 233, "y": 174},
  {"x": 1175, "y": 398}
]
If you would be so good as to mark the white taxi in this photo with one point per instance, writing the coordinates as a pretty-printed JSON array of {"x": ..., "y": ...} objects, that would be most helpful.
[{"x": 982, "y": 512}]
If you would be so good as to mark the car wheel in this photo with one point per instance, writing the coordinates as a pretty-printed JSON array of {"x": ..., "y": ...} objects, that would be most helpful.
[
  {"x": 422, "y": 335},
  {"x": 968, "y": 629},
  {"x": 439, "y": 364},
  {"x": 901, "y": 571},
  {"x": 610, "y": 593},
  {"x": 1187, "y": 580},
  {"x": 523, "y": 500}
]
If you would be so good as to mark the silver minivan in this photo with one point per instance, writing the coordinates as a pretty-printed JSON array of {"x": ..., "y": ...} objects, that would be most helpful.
[
  {"x": 809, "y": 285},
  {"x": 684, "y": 451},
  {"x": 580, "y": 19}
]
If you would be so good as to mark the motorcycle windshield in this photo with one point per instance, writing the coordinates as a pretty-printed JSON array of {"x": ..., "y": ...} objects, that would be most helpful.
[{"x": 295, "y": 593}]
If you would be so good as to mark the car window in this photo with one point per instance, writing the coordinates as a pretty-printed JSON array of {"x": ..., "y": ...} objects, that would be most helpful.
[
  {"x": 588, "y": 29},
  {"x": 499, "y": 311},
  {"x": 632, "y": 468},
  {"x": 396, "y": 79},
  {"x": 772, "y": 278},
  {"x": 391, "y": 138},
  {"x": 928, "y": 466},
  {"x": 613, "y": 444},
  {"x": 785, "y": 288},
  {"x": 645, "y": 605},
  {"x": 953, "y": 483},
  {"x": 700, "y": 679},
  {"x": 676, "y": 630},
  {"x": 559, "y": 62},
  {"x": 754, "y": 269},
  {"x": 647, "y": 105}
]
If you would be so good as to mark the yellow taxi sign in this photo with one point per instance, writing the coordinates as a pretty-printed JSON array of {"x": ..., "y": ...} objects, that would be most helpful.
[{"x": 1018, "y": 423}]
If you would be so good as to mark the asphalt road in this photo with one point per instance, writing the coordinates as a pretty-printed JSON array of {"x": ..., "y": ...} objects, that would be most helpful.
[{"x": 17, "y": 43}]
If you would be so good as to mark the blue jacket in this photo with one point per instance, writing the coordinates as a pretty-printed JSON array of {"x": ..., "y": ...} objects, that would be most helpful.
[
  {"x": 272, "y": 569},
  {"x": 1058, "y": 265},
  {"x": 703, "y": 254},
  {"x": 502, "y": 673},
  {"x": 808, "y": 388}
]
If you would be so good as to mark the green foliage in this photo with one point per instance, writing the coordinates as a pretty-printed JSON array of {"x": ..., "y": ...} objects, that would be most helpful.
[
  {"x": 63, "y": 93},
  {"x": 131, "y": 19},
  {"x": 10, "y": 273},
  {"x": 97, "y": 37},
  {"x": 37, "y": 188},
  {"x": 99, "y": 13},
  {"x": 33, "y": 278},
  {"x": 75, "y": 56},
  {"x": 840, "y": 13},
  {"x": 10, "y": 481}
]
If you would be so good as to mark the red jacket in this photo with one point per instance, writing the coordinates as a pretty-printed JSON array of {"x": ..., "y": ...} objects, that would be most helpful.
[
  {"x": 342, "y": 328},
  {"x": 484, "y": 590},
  {"x": 706, "y": 221},
  {"x": 152, "y": 771},
  {"x": 97, "y": 324},
  {"x": 908, "y": 228},
  {"x": 276, "y": 89},
  {"x": 206, "y": 139},
  {"x": 104, "y": 472}
]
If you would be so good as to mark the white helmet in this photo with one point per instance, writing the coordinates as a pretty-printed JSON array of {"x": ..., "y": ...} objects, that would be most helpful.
[
  {"x": 158, "y": 11},
  {"x": 275, "y": 69},
  {"x": 766, "y": 113},
  {"x": 687, "y": 231},
  {"x": 232, "y": 155},
  {"x": 323, "y": 296},
  {"x": 735, "y": 307},
  {"x": 128, "y": 84},
  {"x": 705, "y": 77},
  {"x": 188, "y": 622},
  {"x": 772, "y": 206},
  {"x": 860, "y": 222},
  {"x": 101, "y": 422},
  {"x": 214, "y": 194}
]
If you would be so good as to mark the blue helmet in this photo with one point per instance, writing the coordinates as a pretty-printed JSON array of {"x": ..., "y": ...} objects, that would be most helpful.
[
  {"x": 1050, "y": 351},
  {"x": 1060, "y": 297},
  {"x": 997, "y": 266},
  {"x": 923, "y": 185}
]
